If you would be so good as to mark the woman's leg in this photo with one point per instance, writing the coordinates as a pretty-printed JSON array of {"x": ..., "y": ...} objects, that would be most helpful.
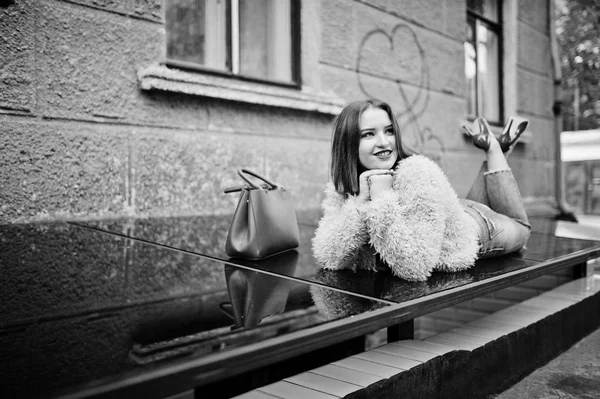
[
  {"x": 495, "y": 185},
  {"x": 503, "y": 193},
  {"x": 499, "y": 208},
  {"x": 496, "y": 160},
  {"x": 478, "y": 191},
  {"x": 500, "y": 234}
]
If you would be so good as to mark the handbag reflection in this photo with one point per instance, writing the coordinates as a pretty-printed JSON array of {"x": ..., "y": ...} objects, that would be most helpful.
[
  {"x": 264, "y": 222},
  {"x": 254, "y": 295}
]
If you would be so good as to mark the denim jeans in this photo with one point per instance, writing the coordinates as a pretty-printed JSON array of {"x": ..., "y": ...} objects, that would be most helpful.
[{"x": 496, "y": 205}]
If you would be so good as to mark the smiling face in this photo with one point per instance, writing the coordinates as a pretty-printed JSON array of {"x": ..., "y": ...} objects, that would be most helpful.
[{"x": 377, "y": 147}]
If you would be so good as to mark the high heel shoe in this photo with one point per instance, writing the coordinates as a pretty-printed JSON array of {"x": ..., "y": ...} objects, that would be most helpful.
[
  {"x": 513, "y": 129},
  {"x": 484, "y": 139}
]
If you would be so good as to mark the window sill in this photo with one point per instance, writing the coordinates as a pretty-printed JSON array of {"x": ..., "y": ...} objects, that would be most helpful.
[{"x": 160, "y": 77}]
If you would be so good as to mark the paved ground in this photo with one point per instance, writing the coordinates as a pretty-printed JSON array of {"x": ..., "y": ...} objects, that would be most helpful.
[{"x": 573, "y": 374}]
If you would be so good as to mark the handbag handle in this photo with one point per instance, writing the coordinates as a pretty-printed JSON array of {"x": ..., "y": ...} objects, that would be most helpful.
[
  {"x": 236, "y": 188},
  {"x": 254, "y": 186}
]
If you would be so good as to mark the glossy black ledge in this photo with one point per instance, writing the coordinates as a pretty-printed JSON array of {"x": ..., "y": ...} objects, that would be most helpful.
[
  {"x": 80, "y": 305},
  {"x": 143, "y": 283},
  {"x": 206, "y": 236}
]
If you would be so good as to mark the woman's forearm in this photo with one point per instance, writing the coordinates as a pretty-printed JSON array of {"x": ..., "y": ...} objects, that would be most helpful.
[{"x": 341, "y": 234}]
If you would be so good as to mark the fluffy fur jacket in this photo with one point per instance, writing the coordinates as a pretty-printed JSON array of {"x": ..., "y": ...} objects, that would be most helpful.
[{"x": 416, "y": 228}]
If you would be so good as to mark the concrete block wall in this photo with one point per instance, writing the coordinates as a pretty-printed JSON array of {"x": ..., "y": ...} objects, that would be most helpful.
[{"x": 80, "y": 139}]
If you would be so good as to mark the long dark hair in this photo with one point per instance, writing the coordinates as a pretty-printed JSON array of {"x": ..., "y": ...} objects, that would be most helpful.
[{"x": 345, "y": 167}]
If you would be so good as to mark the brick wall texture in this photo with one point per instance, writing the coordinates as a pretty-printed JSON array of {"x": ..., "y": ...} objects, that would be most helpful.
[{"x": 80, "y": 139}]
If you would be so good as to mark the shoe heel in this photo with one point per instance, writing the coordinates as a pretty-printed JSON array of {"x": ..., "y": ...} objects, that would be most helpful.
[
  {"x": 483, "y": 139},
  {"x": 513, "y": 129}
]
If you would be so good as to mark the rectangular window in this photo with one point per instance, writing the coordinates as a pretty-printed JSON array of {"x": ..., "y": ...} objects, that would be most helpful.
[
  {"x": 255, "y": 39},
  {"x": 483, "y": 59}
]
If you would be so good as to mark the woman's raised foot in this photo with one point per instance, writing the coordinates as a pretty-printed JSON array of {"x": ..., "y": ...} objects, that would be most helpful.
[
  {"x": 513, "y": 129},
  {"x": 484, "y": 138}
]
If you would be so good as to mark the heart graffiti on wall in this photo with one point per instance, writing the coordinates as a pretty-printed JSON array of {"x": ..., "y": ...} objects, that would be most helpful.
[{"x": 392, "y": 66}]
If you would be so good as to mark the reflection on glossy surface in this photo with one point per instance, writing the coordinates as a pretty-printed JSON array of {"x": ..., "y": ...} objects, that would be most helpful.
[
  {"x": 381, "y": 285},
  {"x": 77, "y": 305},
  {"x": 260, "y": 306},
  {"x": 206, "y": 235},
  {"x": 269, "y": 308},
  {"x": 199, "y": 234},
  {"x": 385, "y": 286},
  {"x": 255, "y": 295},
  {"x": 566, "y": 229},
  {"x": 543, "y": 225},
  {"x": 541, "y": 247}
]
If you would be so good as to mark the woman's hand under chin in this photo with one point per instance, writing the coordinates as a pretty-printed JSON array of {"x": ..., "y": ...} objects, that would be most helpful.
[
  {"x": 372, "y": 183},
  {"x": 380, "y": 184}
]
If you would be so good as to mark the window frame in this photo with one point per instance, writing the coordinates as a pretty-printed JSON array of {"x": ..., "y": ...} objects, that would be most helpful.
[
  {"x": 497, "y": 28},
  {"x": 232, "y": 48}
]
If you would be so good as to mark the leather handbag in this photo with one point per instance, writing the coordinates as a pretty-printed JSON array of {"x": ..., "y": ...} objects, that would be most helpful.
[{"x": 264, "y": 222}]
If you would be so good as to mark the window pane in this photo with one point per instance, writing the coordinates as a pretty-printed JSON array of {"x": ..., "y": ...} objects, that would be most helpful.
[
  {"x": 197, "y": 32},
  {"x": 488, "y": 73},
  {"x": 266, "y": 39},
  {"x": 475, "y": 6},
  {"x": 471, "y": 69},
  {"x": 490, "y": 10},
  {"x": 470, "y": 74},
  {"x": 485, "y": 8}
]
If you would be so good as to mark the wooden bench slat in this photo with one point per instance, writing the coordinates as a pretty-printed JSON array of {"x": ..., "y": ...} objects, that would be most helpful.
[
  {"x": 493, "y": 325},
  {"x": 405, "y": 352},
  {"x": 522, "y": 308},
  {"x": 568, "y": 296},
  {"x": 436, "y": 349},
  {"x": 515, "y": 318},
  {"x": 548, "y": 305},
  {"x": 589, "y": 285},
  {"x": 323, "y": 384},
  {"x": 368, "y": 367},
  {"x": 577, "y": 290},
  {"x": 347, "y": 375},
  {"x": 458, "y": 345},
  {"x": 479, "y": 332},
  {"x": 255, "y": 394},
  {"x": 452, "y": 335},
  {"x": 388, "y": 360},
  {"x": 287, "y": 390},
  {"x": 546, "y": 302},
  {"x": 525, "y": 313}
]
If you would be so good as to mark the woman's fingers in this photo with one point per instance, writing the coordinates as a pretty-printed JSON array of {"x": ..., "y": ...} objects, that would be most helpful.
[
  {"x": 369, "y": 173},
  {"x": 363, "y": 182},
  {"x": 364, "y": 177}
]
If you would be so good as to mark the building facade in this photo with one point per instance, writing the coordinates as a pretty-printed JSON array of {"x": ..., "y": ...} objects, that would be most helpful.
[{"x": 149, "y": 107}]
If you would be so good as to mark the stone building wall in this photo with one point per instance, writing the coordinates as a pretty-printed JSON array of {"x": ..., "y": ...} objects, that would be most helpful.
[{"x": 93, "y": 126}]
